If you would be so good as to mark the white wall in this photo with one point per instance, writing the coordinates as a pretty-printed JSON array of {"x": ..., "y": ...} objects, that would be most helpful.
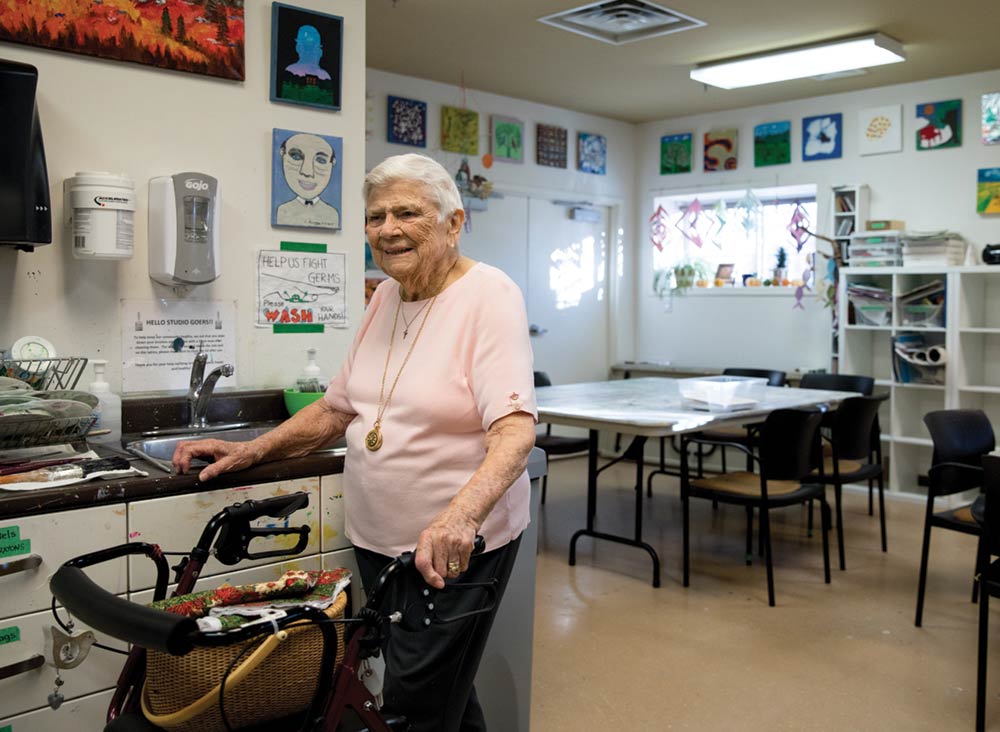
[
  {"x": 616, "y": 188},
  {"x": 143, "y": 121},
  {"x": 928, "y": 190}
]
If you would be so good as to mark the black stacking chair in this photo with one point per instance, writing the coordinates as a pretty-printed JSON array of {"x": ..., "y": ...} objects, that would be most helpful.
[
  {"x": 789, "y": 452},
  {"x": 989, "y": 576},
  {"x": 961, "y": 438},
  {"x": 553, "y": 444},
  {"x": 741, "y": 435},
  {"x": 854, "y": 426}
]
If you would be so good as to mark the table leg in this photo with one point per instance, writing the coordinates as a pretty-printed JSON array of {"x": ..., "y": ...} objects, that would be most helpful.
[{"x": 637, "y": 445}]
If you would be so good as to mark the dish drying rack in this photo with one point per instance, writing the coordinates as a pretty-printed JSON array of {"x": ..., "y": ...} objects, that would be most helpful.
[{"x": 44, "y": 374}]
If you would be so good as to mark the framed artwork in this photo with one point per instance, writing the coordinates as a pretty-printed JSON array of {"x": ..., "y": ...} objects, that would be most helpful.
[
  {"x": 939, "y": 124},
  {"x": 991, "y": 118},
  {"x": 880, "y": 130},
  {"x": 305, "y": 179},
  {"x": 550, "y": 145},
  {"x": 307, "y": 55},
  {"x": 772, "y": 144},
  {"x": 592, "y": 153},
  {"x": 407, "y": 122},
  {"x": 721, "y": 150},
  {"x": 675, "y": 154},
  {"x": 507, "y": 139},
  {"x": 204, "y": 38},
  {"x": 822, "y": 137},
  {"x": 460, "y": 130},
  {"x": 988, "y": 191}
]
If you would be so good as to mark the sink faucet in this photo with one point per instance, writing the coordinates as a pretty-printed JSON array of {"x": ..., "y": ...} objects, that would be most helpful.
[{"x": 201, "y": 388}]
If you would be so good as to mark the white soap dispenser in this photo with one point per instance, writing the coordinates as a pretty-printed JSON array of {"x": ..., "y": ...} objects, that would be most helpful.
[
  {"x": 109, "y": 408},
  {"x": 310, "y": 380}
]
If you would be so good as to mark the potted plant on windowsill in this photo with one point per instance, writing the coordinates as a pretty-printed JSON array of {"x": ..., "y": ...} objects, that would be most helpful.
[
  {"x": 679, "y": 278},
  {"x": 780, "y": 266}
]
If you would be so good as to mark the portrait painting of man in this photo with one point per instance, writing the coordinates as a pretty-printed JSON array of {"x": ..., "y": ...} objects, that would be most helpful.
[
  {"x": 305, "y": 180},
  {"x": 306, "y": 57}
]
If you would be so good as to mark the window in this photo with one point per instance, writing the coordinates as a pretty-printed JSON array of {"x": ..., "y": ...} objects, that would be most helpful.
[{"x": 738, "y": 227}]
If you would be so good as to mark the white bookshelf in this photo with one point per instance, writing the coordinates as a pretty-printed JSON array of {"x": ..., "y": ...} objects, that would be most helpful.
[{"x": 971, "y": 336}]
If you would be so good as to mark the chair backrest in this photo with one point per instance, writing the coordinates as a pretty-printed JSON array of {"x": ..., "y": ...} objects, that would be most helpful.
[
  {"x": 991, "y": 518},
  {"x": 774, "y": 378},
  {"x": 960, "y": 436},
  {"x": 853, "y": 423},
  {"x": 789, "y": 443},
  {"x": 838, "y": 382},
  {"x": 542, "y": 379}
]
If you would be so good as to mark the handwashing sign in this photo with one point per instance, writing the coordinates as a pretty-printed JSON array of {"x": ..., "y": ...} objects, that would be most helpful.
[
  {"x": 300, "y": 285},
  {"x": 160, "y": 339}
]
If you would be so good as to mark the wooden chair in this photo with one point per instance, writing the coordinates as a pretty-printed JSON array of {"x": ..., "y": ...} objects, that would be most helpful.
[
  {"x": 789, "y": 452},
  {"x": 553, "y": 444},
  {"x": 961, "y": 438}
]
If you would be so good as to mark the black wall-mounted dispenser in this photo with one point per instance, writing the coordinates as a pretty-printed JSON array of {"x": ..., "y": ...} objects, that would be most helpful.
[{"x": 25, "y": 218}]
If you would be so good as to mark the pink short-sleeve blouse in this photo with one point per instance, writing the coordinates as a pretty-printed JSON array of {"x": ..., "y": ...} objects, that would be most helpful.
[{"x": 471, "y": 365}]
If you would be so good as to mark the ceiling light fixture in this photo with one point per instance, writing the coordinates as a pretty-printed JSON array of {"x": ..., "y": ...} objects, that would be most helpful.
[{"x": 828, "y": 57}]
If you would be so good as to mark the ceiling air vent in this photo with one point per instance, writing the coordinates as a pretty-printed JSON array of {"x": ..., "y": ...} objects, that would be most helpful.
[{"x": 622, "y": 21}]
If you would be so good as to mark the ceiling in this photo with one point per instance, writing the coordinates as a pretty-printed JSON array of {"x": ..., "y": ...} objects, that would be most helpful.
[{"x": 498, "y": 46}]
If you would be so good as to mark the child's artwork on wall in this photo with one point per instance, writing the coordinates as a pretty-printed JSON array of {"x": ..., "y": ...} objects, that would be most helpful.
[
  {"x": 592, "y": 153},
  {"x": 721, "y": 149},
  {"x": 306, "y": 56},
  {"x": 939, "y": 124},
  {"x": 460, "y": 130},
  {"x": 550, "y": 146},
  {"x": 305, "y": 179},
  {"x": 880, "y": 130},
  {"x": 407, "y": 121},
  {"x": 822, "y": 137},
  {"x": 772, "y": 144},
  {"x": 203, "y": 38},
  {"x": 991, "y": 118},
  {"x": 675, "y": 154},
  {"x": 988, "y": 191},
  {"x": 507, "y": 139}
]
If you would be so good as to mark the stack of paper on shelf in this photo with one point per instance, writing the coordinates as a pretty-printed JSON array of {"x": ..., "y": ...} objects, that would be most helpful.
[
  {"x": 914, "y": 361},
  {"x": 933, "y": 249}
]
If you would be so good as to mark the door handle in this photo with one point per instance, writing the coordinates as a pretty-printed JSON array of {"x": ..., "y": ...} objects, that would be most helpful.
[
  {"x": 536, "y": 330},
  {"x": 21, "y": 667},
  {"x": 20, "y": 565}
]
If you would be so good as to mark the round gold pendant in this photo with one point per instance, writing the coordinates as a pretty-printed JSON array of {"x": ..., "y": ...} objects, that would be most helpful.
[{"x": 373, "y": 440}]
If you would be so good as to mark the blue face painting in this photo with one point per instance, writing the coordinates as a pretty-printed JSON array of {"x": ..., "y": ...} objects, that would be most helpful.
[{"x": 309, "y": 47}]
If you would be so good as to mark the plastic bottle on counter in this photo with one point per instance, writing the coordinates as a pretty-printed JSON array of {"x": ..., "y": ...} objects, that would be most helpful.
[
  {"x": 109, "y": 408},
  {"x": 311, "y": 380}
]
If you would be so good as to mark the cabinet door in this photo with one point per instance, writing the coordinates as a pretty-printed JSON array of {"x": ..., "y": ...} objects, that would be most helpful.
[
  {"x": 253, "y": 575},
  {"x": 86, "y": 714},
  {"x": 33, "y": 548},
  {"x": 176, "y": 523},
  {"x": 332, "y": 492},
  {"x": 23, "y": 638}
]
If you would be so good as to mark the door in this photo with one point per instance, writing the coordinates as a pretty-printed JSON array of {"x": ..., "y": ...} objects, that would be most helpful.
[
  {"x": 499, "y": 236},
  {"x": 568, "y": 290}
]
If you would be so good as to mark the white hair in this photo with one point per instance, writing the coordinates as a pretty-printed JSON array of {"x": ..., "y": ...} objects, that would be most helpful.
[{"x": 421, "y": 169}]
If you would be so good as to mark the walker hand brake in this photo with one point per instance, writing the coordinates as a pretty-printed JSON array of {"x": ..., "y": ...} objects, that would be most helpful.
[{"x": 233, "y": 544}]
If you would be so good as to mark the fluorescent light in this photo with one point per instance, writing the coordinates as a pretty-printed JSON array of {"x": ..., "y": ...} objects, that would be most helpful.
[{"x": 828, "y": 57}]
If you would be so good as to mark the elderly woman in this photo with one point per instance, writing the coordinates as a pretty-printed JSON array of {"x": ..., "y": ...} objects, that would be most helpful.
[{"x": 436, "y": 400}]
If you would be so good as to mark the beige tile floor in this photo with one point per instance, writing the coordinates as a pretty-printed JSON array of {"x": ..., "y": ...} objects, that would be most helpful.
[{"x": 613, "y": 653}]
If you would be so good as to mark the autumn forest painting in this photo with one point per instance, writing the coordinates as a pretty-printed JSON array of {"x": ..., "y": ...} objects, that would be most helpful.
[{"x": 199, "y": 36}]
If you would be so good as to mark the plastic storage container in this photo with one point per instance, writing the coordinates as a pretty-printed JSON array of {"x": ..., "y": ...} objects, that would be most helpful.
[
  {"x": 868, "y": 311},
  {"x": 721, "y": 393},
  {"x": 922, "y": 316}
]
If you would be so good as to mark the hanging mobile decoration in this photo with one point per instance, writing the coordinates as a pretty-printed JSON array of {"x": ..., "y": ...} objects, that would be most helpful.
[
  {"x": 658, "y": 227},
  {"x": 687, "y": 224},
  {"x": 721, "y": 214},
  {"x": 749, "y": 207},
  {"x": 800, "y": 291},
  {"x": 798, "y": 226}
]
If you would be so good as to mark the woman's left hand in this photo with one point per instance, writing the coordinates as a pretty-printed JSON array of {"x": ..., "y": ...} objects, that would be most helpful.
[{"x": 444, "y": 547}]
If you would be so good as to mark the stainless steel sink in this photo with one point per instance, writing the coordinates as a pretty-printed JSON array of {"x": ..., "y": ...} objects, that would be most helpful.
[{"x": 159, "y": 450}]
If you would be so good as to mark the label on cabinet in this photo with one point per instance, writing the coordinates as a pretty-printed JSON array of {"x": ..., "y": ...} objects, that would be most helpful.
[
  {"x": 11, "y": 544},
  {"x": 9, "y": 635}
]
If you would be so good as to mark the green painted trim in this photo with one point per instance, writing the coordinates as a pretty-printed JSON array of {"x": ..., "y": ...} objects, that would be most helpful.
[
  {"x": 294, "y": 328},
  {"x": 295, "y": 246}
]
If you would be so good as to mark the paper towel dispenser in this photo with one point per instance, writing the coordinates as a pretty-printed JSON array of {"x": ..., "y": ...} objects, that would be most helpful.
[{"x": 25, "y": 219}]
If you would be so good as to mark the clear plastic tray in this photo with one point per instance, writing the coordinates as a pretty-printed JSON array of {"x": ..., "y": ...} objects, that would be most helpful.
[
  {"x": 922, "y": 316},
  {"x": 721, "y": 393}
]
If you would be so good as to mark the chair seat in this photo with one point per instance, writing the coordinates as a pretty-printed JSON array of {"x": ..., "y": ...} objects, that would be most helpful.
[
  {"x": 746, "y": 484},
  {"x": 554, "y": 445},
  {"x": 958, "y": 519},
  {"x": 850, "y": 470},
  {"x": 735, "y": 433}
]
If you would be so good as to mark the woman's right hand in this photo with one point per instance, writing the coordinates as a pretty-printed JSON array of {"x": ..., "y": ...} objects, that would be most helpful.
[{"x": 226, "y": 457}]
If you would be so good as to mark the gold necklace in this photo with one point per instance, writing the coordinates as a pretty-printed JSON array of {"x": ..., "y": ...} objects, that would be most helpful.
[
  {"x": 373, "y": 440},
  {"x": 408, "y": 323}
]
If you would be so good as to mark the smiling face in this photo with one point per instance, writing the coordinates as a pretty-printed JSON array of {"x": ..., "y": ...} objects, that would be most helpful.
[
  {"x": 307, "y": 161},
  {"x": 408, "y": 240}
]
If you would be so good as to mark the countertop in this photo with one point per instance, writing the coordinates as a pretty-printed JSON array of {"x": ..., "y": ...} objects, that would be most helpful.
[{"x": 159, "y": 484}]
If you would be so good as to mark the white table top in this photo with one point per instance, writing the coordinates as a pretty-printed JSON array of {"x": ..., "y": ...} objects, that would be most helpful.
[{"x": 652, "y": 406}]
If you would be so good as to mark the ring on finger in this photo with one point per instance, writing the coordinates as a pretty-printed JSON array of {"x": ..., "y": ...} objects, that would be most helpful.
[{"x": 454, "y": 567}]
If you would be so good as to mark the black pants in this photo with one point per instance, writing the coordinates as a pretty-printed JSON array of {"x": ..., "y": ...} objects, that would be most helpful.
[{"x": 429, "y": 671}]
